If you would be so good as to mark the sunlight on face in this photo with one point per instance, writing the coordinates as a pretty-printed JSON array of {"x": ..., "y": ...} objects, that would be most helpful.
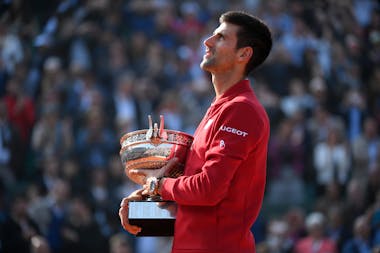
[{"x": 220, "y": 54}]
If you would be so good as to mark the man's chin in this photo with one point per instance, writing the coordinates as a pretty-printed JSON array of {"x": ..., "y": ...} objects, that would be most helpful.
[{"x": 206, "y": 66}]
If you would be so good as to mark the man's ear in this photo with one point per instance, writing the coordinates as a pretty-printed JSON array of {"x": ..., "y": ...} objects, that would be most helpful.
[{"x": 245, "y": 53}]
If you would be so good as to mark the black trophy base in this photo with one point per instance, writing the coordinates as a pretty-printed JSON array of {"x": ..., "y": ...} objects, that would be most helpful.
[{"x": 156, "y": 218}]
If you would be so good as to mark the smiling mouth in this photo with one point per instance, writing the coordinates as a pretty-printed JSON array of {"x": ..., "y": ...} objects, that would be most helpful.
[{"x": 207, "y": 53}]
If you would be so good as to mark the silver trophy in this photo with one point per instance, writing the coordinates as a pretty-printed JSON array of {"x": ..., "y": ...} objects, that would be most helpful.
[{"x": 151, "y": 149}]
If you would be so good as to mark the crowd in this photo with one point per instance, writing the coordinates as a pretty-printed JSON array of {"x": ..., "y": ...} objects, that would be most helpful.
[{"x": 75, "y": 75}]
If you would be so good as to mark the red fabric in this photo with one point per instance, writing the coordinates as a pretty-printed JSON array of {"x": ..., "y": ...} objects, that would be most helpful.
[
  {"x": 221, "y": 193},
  {"x": 324, "y": 246},
  {"x": 21, "y": 113}
]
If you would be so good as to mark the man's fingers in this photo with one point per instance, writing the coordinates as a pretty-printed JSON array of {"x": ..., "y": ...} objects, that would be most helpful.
[
  {"x": 139, "y": 172},
  {"x": 171, "y": 164},
  {"x": 123, "y": 214},
  {"x": 123, "y": 211},
  {"x": 156, "y": 172}
]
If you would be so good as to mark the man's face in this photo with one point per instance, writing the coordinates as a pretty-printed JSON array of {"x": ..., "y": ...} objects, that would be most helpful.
[{"x": 221, "y": 52}]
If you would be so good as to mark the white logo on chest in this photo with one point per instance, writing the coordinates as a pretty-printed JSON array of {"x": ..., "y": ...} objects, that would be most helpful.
[
  {"x": 233, "y": 131},
  {"x": 222, "y": 144}
]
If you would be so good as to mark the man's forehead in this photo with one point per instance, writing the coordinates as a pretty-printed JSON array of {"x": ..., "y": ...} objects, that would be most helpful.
[{"x": 226, "y": 28}]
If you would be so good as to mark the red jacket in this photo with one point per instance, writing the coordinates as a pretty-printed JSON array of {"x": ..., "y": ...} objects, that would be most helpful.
[
  {"x": 307, "y": 245},
  {"x": 221, "y": 193},
  {"x": 22, "y": 117}
]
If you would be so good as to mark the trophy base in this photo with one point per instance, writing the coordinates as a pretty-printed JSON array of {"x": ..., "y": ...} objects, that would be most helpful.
[{"x": 156, "y": 218}]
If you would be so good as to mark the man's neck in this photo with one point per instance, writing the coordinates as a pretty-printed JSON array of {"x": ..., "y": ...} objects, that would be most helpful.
[{"x": 223, "y": 82}]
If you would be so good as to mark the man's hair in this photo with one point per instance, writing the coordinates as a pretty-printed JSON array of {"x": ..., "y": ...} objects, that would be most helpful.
[{"x": 252, "y": 33}]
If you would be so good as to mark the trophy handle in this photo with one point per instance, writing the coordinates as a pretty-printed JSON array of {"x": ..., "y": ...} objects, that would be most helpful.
[
  {"x": 149, "y": 133},
  {"x": 162, "y": 133},
  {"x": 154, "y": 131}
]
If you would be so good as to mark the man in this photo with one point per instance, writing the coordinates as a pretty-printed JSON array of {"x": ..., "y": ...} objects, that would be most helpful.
[
  {"x": 316, "y": 241},
  {"x": 361, "y": 241},
  {"x": 221, "y": 192}
]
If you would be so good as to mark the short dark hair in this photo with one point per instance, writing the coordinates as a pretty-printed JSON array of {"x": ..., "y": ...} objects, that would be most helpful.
[{"x": 252, "y": 32}]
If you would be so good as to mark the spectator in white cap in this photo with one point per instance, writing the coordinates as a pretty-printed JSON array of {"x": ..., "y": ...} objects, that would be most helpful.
[{"x": 316, "y": 241}]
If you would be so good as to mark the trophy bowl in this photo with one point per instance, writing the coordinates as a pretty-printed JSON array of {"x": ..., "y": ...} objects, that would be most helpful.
[{"x": 152, "y": 148}]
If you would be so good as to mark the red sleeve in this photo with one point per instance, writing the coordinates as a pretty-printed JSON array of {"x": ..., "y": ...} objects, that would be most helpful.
[{"x": 235, "y": 134}]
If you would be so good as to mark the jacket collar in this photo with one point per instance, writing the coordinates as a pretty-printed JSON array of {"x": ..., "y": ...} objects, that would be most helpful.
[{"x": 236, "y": 89}]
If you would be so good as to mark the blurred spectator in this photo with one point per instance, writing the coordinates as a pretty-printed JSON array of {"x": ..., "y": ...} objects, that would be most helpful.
[
  {"x": 52, "y": 135},
  {"x": 320, "y": 122},
  {"x": 320, "y": 93},
  {"x": 99, "y": 188},
  {"x": 262, "y": 248},
  {"x": 21, "y": 115},
  {"x": 72, "y": 173},
  {"x": 361, "y": 241},
  {"x": 38, "y": 207},
  {"x": 333, "y": 194},
  {"x": 39, "y": 245},
  {"x": 138, "y": 43},
  {"x": 83, "y": 94},
  {"x": 100, "y": 199},
  {"x": 12, "y": 52},
  {"x": 278, "y": 240},
  {"x": 287, "y": 189},
  {"x": 354, "y": 111},
  {"x": 18, "y": 228},
  {"x": 3, "y": 78},
  {"x": 80, "y": 232},
  {"x": 296, "y": 42},
  {"x": 53, "y": 80},
  {"x": 271, "y": 103},
  {"x": 147, "y": 93},
  {"x": 10, "y": 164},
  {"x": 373, "y": 185},
  {"x": 336, "y": 227},
  {"x": 170, "y": 106},
  {"x": 20, "y": 108},
  {"x": 277, "y": 18},
  {"x": 164, "y": 21},
  {"x": 49, "y": 172},
  {"x": 316, "y": 240},
  {"x": 297, "y": 100},
  {"x": 125, "y": 103},
  {"x": 189, "y": 24},
  {"x": 286, "y": 149},
  {"x": 295, "y": 218},
  {"x": 355, "y": 201},
  {"x": 95, "y": 141},
  {"x": 373, "y": 93},
  {"x": 374, "y": 219},
  {"x": 332, "y": 160},
  {"x": 278, "y": 72},
  {"x": 119, "y": 243},
  {"x": 57, "y": 202},
  {"x": 118, "y": 61},
  {"x": 366, "y": 148}
]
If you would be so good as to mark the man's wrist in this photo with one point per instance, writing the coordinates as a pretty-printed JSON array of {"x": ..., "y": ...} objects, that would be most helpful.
[
  {"x": 155, "y": 185},
  {"x": 160, "y": 183}
]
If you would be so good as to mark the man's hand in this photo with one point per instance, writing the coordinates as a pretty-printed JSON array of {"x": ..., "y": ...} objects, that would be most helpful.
[
  {"x": 123, "y": 211},
  {"x": 148, "y": 173}
]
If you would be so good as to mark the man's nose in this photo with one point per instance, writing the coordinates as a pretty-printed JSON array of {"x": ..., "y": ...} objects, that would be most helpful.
[{"x": 209, "y": 41}]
